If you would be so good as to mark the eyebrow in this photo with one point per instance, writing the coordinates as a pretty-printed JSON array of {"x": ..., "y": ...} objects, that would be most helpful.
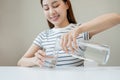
[{"x": 52, "y": 3}]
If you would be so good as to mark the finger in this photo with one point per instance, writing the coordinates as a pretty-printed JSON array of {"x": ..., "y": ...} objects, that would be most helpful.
[
  {"x": 64, "y": 43},
  {"x": 42, "y": 53},
  {"x": 48, "y": 56},
  {"x": 70, "y": 44},
  {"x": 74, "y": 42},
  {"x": 38, "y": 62},
  {"x": 39, "y": 56}
]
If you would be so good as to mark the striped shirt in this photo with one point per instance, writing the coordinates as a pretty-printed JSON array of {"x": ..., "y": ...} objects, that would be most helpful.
[{"x": 47, "y": 40}]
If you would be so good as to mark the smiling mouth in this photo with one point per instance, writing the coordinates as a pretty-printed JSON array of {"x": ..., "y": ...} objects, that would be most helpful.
[{"x": 55, "y": 18}]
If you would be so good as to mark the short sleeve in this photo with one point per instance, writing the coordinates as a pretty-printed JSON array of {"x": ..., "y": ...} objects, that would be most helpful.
[
  {"x": 78, "y": 24},
  {"x": 39, "y": 39}
]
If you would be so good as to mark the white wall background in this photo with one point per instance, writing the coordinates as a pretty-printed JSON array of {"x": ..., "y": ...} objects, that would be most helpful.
[{"x": 22, "y": 20}]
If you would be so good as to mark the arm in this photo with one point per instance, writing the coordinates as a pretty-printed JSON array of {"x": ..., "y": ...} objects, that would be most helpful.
[
  {"x": 31, "y": 57},
  {"x": 94, "y": 26},
  {"x": 100, "y": 24}
]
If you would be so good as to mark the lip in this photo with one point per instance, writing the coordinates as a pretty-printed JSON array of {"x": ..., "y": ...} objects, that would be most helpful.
[{"x": 54, "y": 18}]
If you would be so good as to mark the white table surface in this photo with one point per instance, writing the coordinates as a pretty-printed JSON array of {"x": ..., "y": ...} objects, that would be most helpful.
[{"x": 79, "y": 73}]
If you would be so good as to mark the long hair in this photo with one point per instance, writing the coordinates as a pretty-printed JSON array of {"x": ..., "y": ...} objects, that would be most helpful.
[{"x": 70, "y": 15}]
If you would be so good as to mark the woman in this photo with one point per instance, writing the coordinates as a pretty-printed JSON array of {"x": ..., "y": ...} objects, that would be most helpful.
[{"x": 61, "y": 20}]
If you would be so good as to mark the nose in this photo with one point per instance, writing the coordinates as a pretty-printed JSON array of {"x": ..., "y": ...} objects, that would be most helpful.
[{"x": 52, "y": 11}]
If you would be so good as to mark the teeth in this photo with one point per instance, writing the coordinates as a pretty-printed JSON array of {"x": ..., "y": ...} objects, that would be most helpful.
[{"x": 54, "y": 17}]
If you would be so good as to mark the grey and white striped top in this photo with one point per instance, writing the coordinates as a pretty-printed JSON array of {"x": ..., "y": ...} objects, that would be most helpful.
[{"x": 47, "y": 40}]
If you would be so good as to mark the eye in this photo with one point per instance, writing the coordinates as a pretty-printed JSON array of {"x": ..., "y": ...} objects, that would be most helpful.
[
  {"x": 46, "y": 8},
  {"x": 55, "y": 5}
]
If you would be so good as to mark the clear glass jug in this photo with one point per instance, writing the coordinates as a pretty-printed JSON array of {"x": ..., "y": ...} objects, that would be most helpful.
[{"x": 89, "y": 51}]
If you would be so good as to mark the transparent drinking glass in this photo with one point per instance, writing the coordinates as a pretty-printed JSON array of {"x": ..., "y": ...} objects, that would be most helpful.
[
  {"x": 51, "y": 59},
  {"x": 89, "y": 51}
]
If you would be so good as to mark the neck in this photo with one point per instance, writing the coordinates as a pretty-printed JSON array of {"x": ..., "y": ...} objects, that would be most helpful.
[{"x": 66, "y": 23}]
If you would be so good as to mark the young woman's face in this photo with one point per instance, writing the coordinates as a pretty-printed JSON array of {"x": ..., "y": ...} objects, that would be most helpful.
[{"x": 56, "y": 12}]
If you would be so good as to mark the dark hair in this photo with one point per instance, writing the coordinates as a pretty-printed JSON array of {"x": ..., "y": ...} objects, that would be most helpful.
[{"x": 70, "y": 15}]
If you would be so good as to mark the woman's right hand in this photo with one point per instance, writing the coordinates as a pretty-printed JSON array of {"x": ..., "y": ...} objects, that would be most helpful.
[{"x": 39, "y": 58}]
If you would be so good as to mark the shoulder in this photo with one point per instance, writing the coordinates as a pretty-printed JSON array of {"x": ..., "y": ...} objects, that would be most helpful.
[
  {"x": 44, "y": 32},
  {"x": 76, "y": 25}
]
